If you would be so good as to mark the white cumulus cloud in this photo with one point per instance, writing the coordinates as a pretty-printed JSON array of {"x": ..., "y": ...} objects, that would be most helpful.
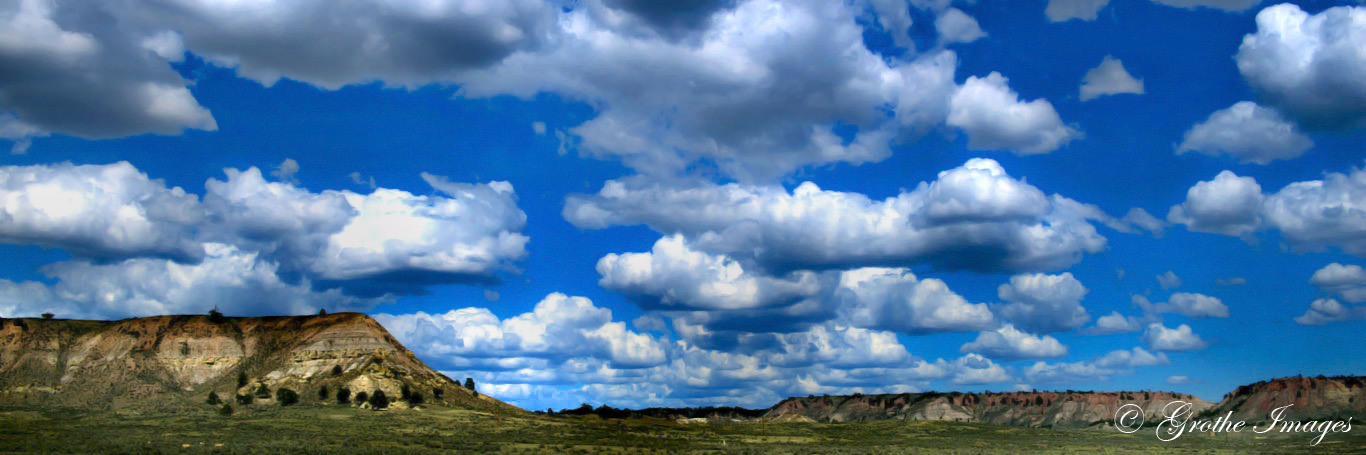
[
  {"x": 1109, "y": 78},
  {"x": 1247, "y": 132}
]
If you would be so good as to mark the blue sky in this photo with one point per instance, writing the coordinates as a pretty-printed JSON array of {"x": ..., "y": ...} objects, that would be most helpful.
[{"x": 721, "y": 202}]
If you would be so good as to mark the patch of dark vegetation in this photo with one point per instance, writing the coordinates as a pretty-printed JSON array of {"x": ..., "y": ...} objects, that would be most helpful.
[
  {"x": 286, "y": 397},
  {"x": 608, "y": 412},
  {"x": 343, "y": 395},
  {"x": 378, "y": 400}
]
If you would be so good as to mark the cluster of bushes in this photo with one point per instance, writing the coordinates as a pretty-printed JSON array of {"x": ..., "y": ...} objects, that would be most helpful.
[
  {"x": 286, "y": 397},
  {"x": 413, "y": 398}
]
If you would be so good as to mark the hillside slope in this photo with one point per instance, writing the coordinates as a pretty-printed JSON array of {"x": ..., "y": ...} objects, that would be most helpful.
[
  {"x": 1031, "y": 409},
  {"x": 1314, "y": 398},
  {"x": 163, "y": 362}
]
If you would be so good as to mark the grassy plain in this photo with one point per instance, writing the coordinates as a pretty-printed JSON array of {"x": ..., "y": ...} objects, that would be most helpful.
[{"x": 345, "y": 430}]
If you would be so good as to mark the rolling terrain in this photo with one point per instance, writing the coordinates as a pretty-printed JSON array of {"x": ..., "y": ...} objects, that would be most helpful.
[
  {"x": 140, "y": 385},
  {"x": 168, "y": 362}
]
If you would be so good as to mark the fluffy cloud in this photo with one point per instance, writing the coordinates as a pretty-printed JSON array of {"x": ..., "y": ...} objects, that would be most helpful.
[
  {"x": 237, "y": 282},
  {"x": 1114, "y": 323},
  {"x": 471, "y": 231},
  {"x": 1136, "y": 357},
  {"x": 994, "y": 118},
  {"x": 1109, "y": 78},
  {"x": 1064, "y": 10},
  {"x": 559, "y": 328},
  {"x": 1348, "y": 282},
  {"x": 1009, "y": 343},
  {"x": 1310, "y": 215},
  {"x": 568, "y": 340},
  {"x": 1316, "y": 214},
  {"x": 73, "y": 69},
  {"x": 1310, "y": 65},
  {"x": 706, "y": 293},
  {"x": 1229, "y": 205},
  {"x": 672, "y": 275},
  {"x": 332, "y": 45},
  {"x": 893, "y": 299},
  {"x": 955, "y": 26},
  {"x": 1043, "y": 303},
  {"x": 1324, "y": 311},
  {"x": 974, "y": 216},
  {"x": 1142, "y": 219},
  {"x": 1169, "y": 280},
  {"x": 100, "y": 211},
  {"x": 716, "y": 96},
  {"x": 673, "y": 85},
  {"x": 973, "y": 369},
  {"x": 1248, "y": 133},
  {"x": 1120, "y": 362},
  {"x": 383, "y": 242},
  {"x": 1160, "y": 338},
  {"x": 1194, "y": 306}
]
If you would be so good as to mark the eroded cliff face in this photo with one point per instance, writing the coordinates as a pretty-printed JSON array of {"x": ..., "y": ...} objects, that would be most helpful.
[
  {"x": 1313, "y": 398},
  {"x": 1033, "y": 409},
  {"x": 104, "y": 364}
]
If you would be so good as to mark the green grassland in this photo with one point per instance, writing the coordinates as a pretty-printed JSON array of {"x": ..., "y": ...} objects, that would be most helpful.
[{"x": 345, "y": 430}]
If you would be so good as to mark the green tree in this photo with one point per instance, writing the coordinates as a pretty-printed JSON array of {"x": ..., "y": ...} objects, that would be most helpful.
[
  {"x": 362, "y": 397},
  {"x": 226, "y": 410},
  {"x": 343, "y": 395},
  {"x": 378, "y": 400},
  {"x": 241, "y": 379},
  {"x": 48, "y": 315},
  {"x": 286, "y": 397},
  {"x": 213, "y": 398},
  {"x": 322, "y": 393}
]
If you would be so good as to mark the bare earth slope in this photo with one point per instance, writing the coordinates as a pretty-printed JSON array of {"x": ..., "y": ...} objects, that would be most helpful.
[
  {"x": 1031, "y": 409},
  {"x": 1311, "y": 399},
  {"x": 168, "y": 361}
]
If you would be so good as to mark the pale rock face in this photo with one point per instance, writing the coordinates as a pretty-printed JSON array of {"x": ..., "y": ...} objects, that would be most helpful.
[{"x": 110, "y": 364}]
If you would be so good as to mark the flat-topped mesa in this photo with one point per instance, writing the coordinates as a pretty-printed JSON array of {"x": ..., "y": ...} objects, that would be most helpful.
[
  {"x": 104, "y": 364},
  {"x": 1311, "y": 398},
  {"x": 1032, "y": 409}
]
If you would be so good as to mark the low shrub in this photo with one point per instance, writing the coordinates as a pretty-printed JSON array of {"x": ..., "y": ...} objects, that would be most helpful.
[
  {"x": 286, "y": 397},
  {"x": 378, "y": 400}
]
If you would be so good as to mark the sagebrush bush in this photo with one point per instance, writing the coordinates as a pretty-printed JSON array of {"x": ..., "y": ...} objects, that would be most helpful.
[
  {"x": 378, "y": 400},
  {"x": 286, "y": 397}
]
